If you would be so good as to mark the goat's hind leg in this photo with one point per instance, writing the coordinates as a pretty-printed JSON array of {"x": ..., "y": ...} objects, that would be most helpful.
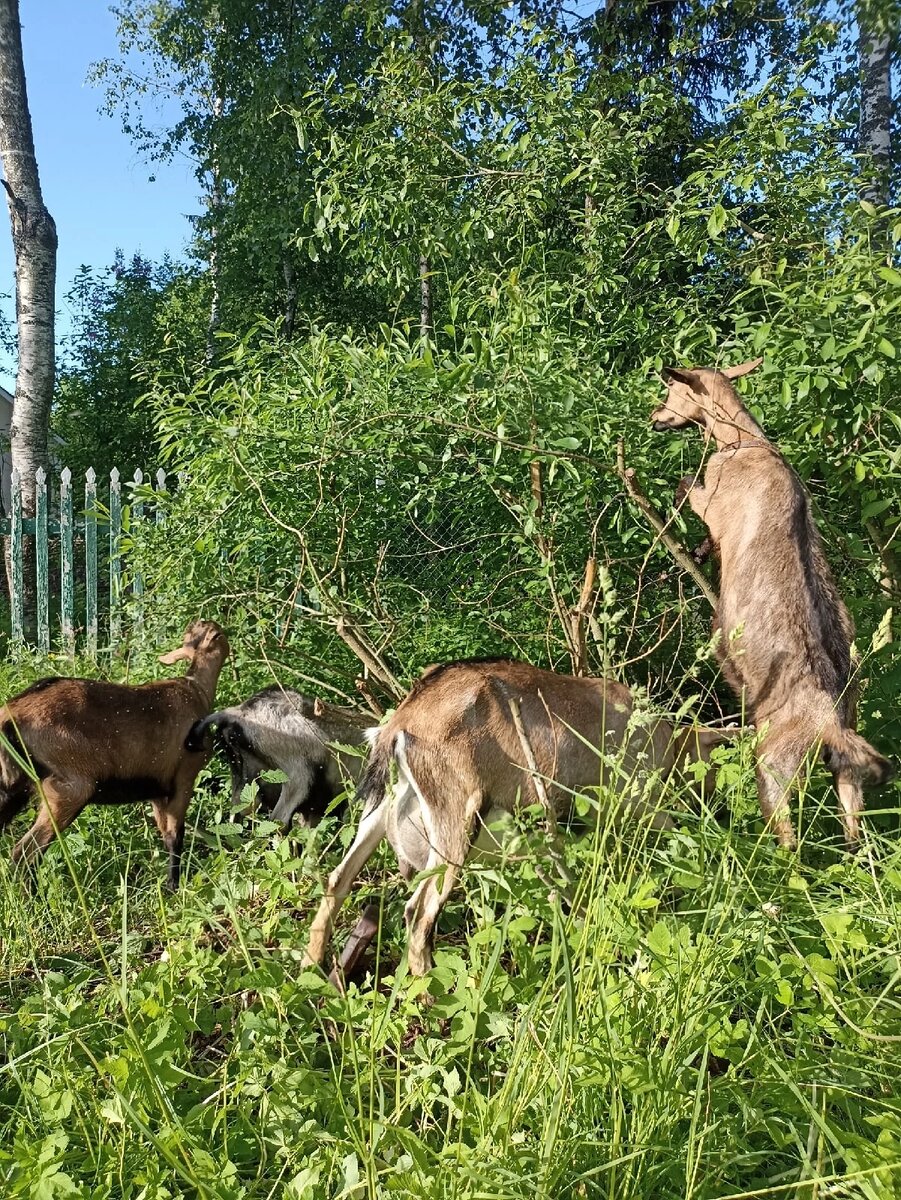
[
  {"x": 779, "y": 762},
  {"x": 449, "y": 847},
  {"x": 61, "y": 802},
  {"x": 850, "y": 803},
  {"x": 370, "y": 832}
]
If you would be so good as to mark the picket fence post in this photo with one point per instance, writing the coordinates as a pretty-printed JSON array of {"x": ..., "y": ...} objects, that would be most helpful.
[
  {"x": 115, "y": 552},
  {"x": 15, "y": 549},
  {"x": 71, "y": 526},
  {"x": 42, "y": 559},
  {"x": 137, "y": 586},
  {"x": 90, "y": 559},
  {"x": 67, "y": 561}
]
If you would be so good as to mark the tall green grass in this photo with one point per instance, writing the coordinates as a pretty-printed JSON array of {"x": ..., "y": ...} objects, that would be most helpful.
[{"x": 713, "y": 1017}]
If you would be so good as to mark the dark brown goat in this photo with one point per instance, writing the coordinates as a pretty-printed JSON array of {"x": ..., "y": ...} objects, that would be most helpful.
[
  {"x": 784, "y": 634},
  {"x": 109, "y": 743}
]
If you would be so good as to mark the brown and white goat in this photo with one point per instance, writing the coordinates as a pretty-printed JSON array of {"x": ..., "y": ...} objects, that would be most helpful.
[
  {"x": 109, "y": 743},
  {"x": 785, "y": 635},
  {"x": 462, "y": 764}
]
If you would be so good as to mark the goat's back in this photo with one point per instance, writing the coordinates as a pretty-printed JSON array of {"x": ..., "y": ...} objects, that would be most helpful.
[
  {"x": 291, "y": 711},
  {"x": 776, "y": 584},
  {"x": 457, "y": 721},
  {"x": 88, "y": 722}
]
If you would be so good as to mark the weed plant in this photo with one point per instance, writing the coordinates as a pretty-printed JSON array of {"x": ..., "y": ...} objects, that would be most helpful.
[{"x": 711, "y": 1018}]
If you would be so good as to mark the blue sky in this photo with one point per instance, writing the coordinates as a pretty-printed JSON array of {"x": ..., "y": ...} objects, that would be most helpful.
[{"x": 95, "y": 185}]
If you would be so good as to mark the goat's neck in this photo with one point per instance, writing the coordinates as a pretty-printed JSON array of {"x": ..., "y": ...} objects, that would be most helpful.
[
  {"x": 205, "y": 676},
  {"x": 728, "y": 421}
]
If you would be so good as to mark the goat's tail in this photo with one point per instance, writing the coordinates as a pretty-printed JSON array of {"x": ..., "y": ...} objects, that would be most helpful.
[
  {"x": 845, "y": 748},
  {"x": 373, "y": 785},
  {"x": 197, "y": 734}
]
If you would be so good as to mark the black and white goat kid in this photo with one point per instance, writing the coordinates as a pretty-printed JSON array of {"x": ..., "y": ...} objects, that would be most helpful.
[{"x": 279, "y": 729}]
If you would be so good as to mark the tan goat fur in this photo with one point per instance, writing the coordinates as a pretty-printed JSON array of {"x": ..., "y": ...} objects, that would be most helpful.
[
  {"x": 461, "y": 766},
  {"x": 785, "y": 635},
  {"x": 109, "y": 743}
]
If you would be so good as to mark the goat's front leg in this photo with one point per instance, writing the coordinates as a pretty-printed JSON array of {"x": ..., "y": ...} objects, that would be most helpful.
[
  {"x": 294, "y": 792},
  {"x": 169, "y": 816},
  {"x": 779, "y": 765}
]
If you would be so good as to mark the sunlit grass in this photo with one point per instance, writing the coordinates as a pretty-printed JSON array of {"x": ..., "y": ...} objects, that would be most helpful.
[{"x": 712, "y": 1017}]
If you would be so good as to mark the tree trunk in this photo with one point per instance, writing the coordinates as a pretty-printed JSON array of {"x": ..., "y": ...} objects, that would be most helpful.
[
  {"x": 875, "y": 130},
  {"x": 215, "y": 202},
  {"x": 425, "y": 299},
  {"x": 34, "y": 243},
  {"x": 290, "y": 296}
]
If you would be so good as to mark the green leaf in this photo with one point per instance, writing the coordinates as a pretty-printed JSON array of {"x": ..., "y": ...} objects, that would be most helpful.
[
  {"x": 716, "y": 222},
  {"x": 886, "y": 347},
  {"x": 659, "y": 941},
  {"x": 784, "y": 993},
  {"x": 890, "y": 275}
]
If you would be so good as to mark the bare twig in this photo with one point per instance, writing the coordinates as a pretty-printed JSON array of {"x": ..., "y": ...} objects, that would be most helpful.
[
  {"x": 357, "y": 640},
  {"x": 578, "y": 615},
  {"x": 654, "y": 519},
  {"x": 550, "y": 816},
  {"x": 361, "y": 683}
]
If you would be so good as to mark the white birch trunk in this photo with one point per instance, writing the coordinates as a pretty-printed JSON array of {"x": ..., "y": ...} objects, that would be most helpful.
[
  {"x": 34, "y": 243},
  {"x": 216, "y": 200},
  {"x": 875, "y": 131}
]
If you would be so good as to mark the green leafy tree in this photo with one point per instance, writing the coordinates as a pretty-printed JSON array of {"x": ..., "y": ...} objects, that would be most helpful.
[{"x": 121, "y": 320}]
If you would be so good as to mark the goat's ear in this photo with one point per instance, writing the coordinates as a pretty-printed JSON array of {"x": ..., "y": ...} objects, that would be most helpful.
[
  {"x": 690, "y": 378},
  {"x": 740, "y": 369},
  {"x": 318, "y": 707},
  {"x": 175, "y": 656}
]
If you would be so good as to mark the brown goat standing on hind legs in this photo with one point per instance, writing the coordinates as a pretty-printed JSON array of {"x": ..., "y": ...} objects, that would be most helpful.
[
  {"x": 785, "y": 635},
  {"x": 109, "y": 743}
]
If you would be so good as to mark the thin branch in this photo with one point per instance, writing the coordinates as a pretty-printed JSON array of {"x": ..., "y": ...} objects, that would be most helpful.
[
  {"x": 654, "y": 519},
  {"x": 550, "y": 815}
]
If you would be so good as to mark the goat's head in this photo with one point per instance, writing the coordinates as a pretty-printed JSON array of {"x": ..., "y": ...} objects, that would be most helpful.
[
  {"x": 203, "y": 639},
  {"x": 690, "y": 394}
]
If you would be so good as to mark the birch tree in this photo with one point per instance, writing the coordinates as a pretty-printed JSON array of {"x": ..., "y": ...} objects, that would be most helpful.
[
  {"x": 34, "y": 243},
  {"x": 875, "y": 128}
]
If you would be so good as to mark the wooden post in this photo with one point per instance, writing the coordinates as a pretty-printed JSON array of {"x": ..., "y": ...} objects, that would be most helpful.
[
  {"x": 160, "y": 491},
  {"x": 90, "y": 559},
  {"x": 67, "y": 560},
  {"x": 42, "y": 560},
  {"x": 115, "y": 557},
  {"x": 15, "y": 550},
  {"x": 137, "y": 516}
]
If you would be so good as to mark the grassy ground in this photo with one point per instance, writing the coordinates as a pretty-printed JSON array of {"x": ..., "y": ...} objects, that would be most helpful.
[{"x": 714, "y": 1018}]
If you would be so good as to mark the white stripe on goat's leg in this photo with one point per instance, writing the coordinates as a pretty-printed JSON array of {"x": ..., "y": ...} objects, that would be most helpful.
[
  {"x": 370, "y": 832},
  {"x": 450, "y": 847}
]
